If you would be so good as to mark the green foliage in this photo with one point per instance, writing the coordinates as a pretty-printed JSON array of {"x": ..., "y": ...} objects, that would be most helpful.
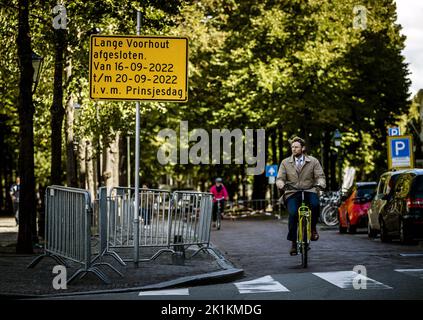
[{"x": 293, "y": 66}]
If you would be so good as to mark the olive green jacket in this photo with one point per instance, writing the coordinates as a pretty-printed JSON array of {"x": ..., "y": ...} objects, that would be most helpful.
[{"x": 310, "y": 174}]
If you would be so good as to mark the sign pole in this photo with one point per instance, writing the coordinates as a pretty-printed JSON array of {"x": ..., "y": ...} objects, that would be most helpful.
[
  {"x": 148, "y": 68},
  {"x": 137, "y": 168}
]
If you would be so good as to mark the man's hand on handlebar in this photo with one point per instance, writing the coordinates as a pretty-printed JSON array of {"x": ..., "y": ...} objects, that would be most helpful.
[
  {"x": 319, "y": 188},
  {"x": 290, "y": 186}
]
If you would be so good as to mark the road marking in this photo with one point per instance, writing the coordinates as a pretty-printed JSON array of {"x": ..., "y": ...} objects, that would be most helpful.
[
  {"x": 169, "y": 292},
  {"x": 260, "y": 285},
  {"x": 412, "y": 272},
  {"x": 411, "y": 254},
  {"x": 345, "y": 279}
]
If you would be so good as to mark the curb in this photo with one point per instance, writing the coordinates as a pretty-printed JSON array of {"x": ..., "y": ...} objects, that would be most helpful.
[{"x": 229, "y": 273}]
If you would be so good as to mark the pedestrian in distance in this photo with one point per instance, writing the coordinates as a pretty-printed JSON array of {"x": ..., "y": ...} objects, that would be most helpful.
[
  {"x": 219, "y": 194},
  {"x": 14, "y": 194},
  {"x": 303, "y": 172}
]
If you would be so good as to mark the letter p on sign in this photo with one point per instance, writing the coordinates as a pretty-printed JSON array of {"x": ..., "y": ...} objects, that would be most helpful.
[{"x": 399, "y": 146}]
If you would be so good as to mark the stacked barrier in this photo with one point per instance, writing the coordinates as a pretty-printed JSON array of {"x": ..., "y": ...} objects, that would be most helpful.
[
  {"x": 68, "y": 214},
  {"x": 167, "y": 221},
  {"x": 191, "y": 217},
  {"x": 244, "y": 208}
]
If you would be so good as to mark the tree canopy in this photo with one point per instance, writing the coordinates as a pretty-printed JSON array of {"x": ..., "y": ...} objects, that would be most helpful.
[{"x": 289, "y": 67}]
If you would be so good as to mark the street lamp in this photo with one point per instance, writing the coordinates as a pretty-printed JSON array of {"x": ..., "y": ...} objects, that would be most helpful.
[
  {"x": 37, "y": 63},
  {"x": 337, "y": 136}
]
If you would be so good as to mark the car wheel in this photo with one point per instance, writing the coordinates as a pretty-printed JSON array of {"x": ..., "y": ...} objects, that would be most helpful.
[
  {"x": 351, "y": 229},
  {"x": 372, "y": 233},
  {"x": 383, "y": 233},
  {"x": 341, "y": 228}
]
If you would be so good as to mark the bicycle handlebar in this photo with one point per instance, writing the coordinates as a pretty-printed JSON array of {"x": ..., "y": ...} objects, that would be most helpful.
[{"x": 300, "y": 189}]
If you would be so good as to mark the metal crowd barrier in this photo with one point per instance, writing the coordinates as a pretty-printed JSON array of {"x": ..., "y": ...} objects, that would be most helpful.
[
  {"x": 169, "y": 222},
  {"x": 68, "y": 214},
  {"x": 247, "y": 208}
]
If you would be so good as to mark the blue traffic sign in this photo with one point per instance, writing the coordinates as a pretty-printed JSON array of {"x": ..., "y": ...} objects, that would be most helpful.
[
  {"x": 400, "y": 152},
  {"x": 272, "y": 170},
  {"x": 394, "y": 131}
]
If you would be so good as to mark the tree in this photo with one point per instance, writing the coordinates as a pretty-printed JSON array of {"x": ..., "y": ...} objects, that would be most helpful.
[{"x": 26, "y": 135}]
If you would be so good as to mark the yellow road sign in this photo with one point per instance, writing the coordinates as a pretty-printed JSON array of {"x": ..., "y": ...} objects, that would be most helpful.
[{"x": 148, "y": 68}]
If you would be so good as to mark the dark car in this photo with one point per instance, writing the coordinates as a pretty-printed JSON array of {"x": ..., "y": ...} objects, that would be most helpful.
[
  {"x": 384, "y": 191},
  {"x": 403, "y": 214},
  {"x": 353, "y": 210}
]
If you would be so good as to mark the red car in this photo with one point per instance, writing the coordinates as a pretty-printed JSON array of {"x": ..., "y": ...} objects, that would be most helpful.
[{"x": 352, "y": 213}]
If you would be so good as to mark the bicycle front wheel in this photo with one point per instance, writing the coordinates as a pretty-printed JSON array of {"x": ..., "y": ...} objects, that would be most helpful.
[
  {"x": 304, "y": 246},
  {"x": 218, "y": 220}
]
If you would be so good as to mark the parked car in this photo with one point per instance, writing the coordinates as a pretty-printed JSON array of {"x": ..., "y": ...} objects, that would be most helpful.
[
  {"x": 384, "y": 191},
  {"x": 402, "y": 216},
  {"x": 352, "y": 213}
]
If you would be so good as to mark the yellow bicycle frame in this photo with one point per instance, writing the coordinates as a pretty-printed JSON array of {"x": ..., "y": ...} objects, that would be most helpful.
[{"x": 304, "y": 212}]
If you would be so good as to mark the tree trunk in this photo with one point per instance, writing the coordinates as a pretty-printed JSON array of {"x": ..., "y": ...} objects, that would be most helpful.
[
  {"x": 57, "y": 110},
  {"x": 326, "y": 156},
  {"x": 259, "y": 183},
  {"x": 26, "y": 134},
  {"x": 244, "y": 185},
  {"x": 90, "y": 165},
  {"x": 333, "y": 170},
  {"x": 82, "y": 160},
  {"x": 71, "y": 173},
  {"x": 280, "y": 154},
  {"x": 274, "y": 160},
  {"x": 280, "y": 145},
  {"x": 2, "y": 178},
  {"x": 114, "y": 160},
  {"x": 123, "y": 160}
]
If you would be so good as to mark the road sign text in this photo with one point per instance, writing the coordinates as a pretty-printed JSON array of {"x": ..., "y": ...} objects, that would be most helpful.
[{"x": 138, "y": 68}]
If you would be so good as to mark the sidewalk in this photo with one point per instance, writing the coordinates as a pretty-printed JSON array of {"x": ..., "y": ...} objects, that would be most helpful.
[{"x": 168, "y": 270}]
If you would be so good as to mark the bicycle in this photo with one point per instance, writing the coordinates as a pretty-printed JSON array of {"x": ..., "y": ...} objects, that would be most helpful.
[
  {"x": 329, "y": 213},
  {"x": 304, "y": 227},
  {"x": 219, "y": 213}
]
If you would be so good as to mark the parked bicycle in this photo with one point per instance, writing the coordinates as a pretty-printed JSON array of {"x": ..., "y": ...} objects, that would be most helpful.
[{"x": 329, "y": 213}]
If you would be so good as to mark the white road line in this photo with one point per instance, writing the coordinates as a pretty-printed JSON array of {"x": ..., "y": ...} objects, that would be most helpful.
[
  {"x": 346, "y": 279},
  {"x": 169, "y": 292},
  {"x": 411, "y": 254},
  {"x": 260, "y": 285},
  {"x": 412, "y": 272}
]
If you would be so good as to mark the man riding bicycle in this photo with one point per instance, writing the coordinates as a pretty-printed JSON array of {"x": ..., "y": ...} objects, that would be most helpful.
[
  {"x": 303, "y": 172},
  {"x": 219, "y": 194}
]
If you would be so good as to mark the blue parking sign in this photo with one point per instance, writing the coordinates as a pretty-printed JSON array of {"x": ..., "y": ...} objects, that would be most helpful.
[
  {"x": 394, "y": 131},
  {"x": 272, "y": 171},
  {"x": 400, "y": 152}
]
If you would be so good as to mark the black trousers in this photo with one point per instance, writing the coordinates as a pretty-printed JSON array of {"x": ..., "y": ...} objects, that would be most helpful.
[{"x": 214, "y": 211}]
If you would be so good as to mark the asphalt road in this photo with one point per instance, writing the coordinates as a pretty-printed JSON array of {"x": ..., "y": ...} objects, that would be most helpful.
[{"x": 340, "y": 267}]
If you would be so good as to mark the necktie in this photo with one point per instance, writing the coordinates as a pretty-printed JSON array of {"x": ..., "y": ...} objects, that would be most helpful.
[{"x": 299, "y": 164}]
